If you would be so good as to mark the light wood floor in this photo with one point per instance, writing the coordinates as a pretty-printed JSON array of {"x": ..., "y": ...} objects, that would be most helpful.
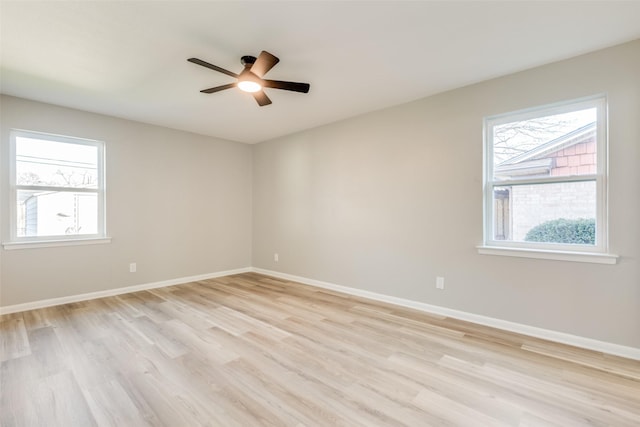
[{"x": 248, "y": 350}]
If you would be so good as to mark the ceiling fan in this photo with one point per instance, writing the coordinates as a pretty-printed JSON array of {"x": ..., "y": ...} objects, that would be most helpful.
[{"x": 251, "y": 78}]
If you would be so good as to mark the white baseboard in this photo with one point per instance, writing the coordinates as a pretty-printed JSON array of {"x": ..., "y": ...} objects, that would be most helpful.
[
  {"x": 559, "y": 337},
  {"x": 118, "y": 291}
]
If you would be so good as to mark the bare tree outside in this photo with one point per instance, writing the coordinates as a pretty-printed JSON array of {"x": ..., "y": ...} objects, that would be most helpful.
[
  {"x": 515, "y": 138},
  {"x": 72, "y": 178}
]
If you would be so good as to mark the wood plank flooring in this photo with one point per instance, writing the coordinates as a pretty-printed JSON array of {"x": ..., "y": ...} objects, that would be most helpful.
[{"x": 249, "y": 350}]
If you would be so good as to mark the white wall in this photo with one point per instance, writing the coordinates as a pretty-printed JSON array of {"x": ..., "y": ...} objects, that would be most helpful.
[
  {"x": 387, "y": 201},
  {"x": 383, "y": 202},
  {"x": 178, "y": 204}
]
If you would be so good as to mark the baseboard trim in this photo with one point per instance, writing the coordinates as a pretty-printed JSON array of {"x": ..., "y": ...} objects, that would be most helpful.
[
  {"x": 118, "y": 291},
  {"x": 532, "y": 331},
  {"x": 547, "y": 334}
]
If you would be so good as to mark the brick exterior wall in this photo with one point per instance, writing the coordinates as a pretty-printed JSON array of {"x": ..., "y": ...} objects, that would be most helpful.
[
  {"x": 531, "y": 205},
  {"x": 535, "y": 204}
]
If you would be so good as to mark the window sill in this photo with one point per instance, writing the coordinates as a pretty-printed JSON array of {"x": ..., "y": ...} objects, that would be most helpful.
[
  {"x": 54, "y": 243},
  {"x": 596, "y": 258}
]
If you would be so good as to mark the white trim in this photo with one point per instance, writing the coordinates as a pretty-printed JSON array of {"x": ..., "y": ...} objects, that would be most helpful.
[
  {"x": 56, "y": 189},
  {"x": 14, "y": 187},
  {"x": 592, "y": 257},
  {"x": 118, "y": 291},
  {"x": 559, "y": 337},
  {"x": 532, "y": 331},
  {"x": 549, "y": 109},
  {"x": 490, "y": 182},
  {"x": 544, "y": 180},
  {"x": 52, "y": 243}
]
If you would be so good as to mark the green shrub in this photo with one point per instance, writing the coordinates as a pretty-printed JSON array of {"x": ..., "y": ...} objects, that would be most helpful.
[{"x": 580, "y": 231}]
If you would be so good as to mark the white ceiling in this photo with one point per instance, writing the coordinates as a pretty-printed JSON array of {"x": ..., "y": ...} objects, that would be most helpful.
[{"x": 129, "y": 58}]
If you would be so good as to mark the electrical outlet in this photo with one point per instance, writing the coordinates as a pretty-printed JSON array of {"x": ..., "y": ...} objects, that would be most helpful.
[
  {"x": 133, "y": 267},
  {"x": 439, "y": 282},
  {"x": 276, "y": 258}
]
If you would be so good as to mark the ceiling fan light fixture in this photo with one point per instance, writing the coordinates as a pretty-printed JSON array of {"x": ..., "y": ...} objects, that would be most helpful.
[
  {"x": 249, "y": 86},
  {"x": 251, "y": 78}
]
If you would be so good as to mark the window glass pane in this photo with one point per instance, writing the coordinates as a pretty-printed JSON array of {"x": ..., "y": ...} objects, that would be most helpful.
[
  {"x": 562, "y": 212},
  {"x": 553, "y": 145},
  {"x": 56, "y": 213},
  {"x": 52, "y": 163}
]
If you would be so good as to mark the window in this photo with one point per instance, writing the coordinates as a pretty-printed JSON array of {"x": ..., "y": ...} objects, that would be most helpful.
[
  {"x": 545, "y": 178},
  {"x": 57, "y": 189}
]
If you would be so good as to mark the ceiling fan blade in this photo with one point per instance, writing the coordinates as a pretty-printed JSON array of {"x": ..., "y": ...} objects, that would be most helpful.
[
  {"x": 261, "y": 98},
  {"x": 264, "y": 63},
  {"x": 213, "y": 67},
  {"x": 292, "y": 86},
  {"x": 219, "y": 88}
]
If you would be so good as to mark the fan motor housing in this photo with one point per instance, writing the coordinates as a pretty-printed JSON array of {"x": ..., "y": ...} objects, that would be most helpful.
[{"x": 248, "y": 60}]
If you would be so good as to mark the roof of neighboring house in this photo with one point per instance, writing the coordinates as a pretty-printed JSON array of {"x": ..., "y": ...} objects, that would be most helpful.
[
  {"x": 575, "y": 137},
  {"x": 538, "y": 162}
]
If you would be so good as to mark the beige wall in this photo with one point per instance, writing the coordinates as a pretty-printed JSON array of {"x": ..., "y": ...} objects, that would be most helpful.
[
  {"x": 387, "y": 201},
  {"x": 178, "y": 204},
  {"x": 383, "y": 202}
]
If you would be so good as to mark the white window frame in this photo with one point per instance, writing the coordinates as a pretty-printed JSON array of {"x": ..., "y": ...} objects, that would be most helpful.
[
  {"x": 584, "y": 253},
  {"x": 23, "y": 242}
]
